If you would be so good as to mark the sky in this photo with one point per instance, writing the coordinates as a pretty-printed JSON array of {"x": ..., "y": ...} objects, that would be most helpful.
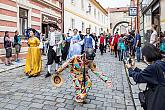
[{"x": 114, "y": 3}]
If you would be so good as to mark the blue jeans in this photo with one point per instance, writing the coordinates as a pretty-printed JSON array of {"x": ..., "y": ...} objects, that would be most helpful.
[
  {"x": 120, "y": 54},
  {"x": 138, "y": 54}
]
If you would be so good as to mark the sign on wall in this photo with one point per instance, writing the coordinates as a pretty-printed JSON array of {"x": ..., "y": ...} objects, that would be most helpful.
[{"x": 133, "y": 11}]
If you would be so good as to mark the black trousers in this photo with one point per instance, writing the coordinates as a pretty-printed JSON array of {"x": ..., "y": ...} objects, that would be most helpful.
[
  {"x": 52, "y": 56},
  {"x": 65, "y": 51},
  {"x": 102, "y": 48},
  {"x": 115, "y": 49}
]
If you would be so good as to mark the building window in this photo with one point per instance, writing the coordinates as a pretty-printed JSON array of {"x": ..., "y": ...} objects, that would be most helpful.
[
  {"x": 23, "y": 20},
  {"x": 83, "y": 26},
  {"x": 72, "y": 1},
  {"x": 95, "y": 13},
  {"x": 110, "y": 25},
  {"x": 82, "y": 4},
  {"x": 98, "y": 15},
  {"x": 90, "y": 26},
  {"x": 72, "y": 23},
  {"x": 95, "y": 29}
]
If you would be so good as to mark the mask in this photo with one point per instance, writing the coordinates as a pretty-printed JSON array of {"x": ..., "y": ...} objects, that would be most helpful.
[{"x": 90, "y": 54}]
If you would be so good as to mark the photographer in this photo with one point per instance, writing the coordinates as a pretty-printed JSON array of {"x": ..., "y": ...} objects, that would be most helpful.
[{"x": 153, "y": 75}]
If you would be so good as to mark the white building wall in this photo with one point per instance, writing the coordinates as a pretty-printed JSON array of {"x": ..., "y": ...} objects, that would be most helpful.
[
  {"x": 162, "y": 15},
  {"x": 116, "y": 17},
  {"x": 74, "y": 11}
]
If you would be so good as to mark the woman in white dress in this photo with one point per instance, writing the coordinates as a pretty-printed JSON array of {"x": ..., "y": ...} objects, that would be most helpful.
[{"x": 75, "y": 47}]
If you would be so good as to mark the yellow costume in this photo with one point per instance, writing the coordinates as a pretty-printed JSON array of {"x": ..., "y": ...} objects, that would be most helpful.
[{"x": 33, "y": 59}]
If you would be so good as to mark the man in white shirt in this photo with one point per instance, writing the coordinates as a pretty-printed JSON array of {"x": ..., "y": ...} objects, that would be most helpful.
[
  {"x": 154, "y": 36},
  {"x": 54, "y": 51}
]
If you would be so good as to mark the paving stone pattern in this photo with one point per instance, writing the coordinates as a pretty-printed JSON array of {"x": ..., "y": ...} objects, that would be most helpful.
[{"x": 18, "y": 92}]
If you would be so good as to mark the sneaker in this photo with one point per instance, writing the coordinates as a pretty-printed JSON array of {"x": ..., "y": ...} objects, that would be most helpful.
[{"x": 47, "y": 75}]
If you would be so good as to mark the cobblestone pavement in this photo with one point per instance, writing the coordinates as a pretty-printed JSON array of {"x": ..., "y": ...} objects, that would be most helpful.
[{"x": 21, "y": 93}]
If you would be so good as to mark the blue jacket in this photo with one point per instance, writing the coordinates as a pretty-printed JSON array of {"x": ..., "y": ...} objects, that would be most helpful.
[{"x": 149, "y": 74}]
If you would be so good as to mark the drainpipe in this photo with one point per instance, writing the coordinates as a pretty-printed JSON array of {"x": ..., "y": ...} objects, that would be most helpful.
[{"x": 62, "y": 15}]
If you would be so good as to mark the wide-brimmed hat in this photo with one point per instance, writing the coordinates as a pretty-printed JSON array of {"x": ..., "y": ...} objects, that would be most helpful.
[{"x": 57, "y": 80}]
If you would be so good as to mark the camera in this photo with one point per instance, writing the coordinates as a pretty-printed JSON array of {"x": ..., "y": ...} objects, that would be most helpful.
[{"x": 127, "y": 61}]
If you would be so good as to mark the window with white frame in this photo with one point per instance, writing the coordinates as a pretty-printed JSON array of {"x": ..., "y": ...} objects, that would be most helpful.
[
  {"x": 73, "y": 1},
  {"x": 23, "y": 20},
  {"x": 110, "y": 25},
  {"x": 83, "y": 26},
  {"x": 72, "y": 23},
  {"x": 95, "y": 29},
  {"x": 95, "y": 13},
  {"x": 82, "y": 4},
  {"x": 98, "y": 15}
]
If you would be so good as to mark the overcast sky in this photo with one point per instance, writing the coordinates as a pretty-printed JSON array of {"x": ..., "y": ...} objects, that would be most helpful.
[{"x": 114, "y": 3}]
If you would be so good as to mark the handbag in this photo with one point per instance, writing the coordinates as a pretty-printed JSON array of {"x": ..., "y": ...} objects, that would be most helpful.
[{"x": 142, "y": 98}]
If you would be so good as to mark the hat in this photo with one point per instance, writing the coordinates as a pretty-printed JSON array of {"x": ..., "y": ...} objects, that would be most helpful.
[{"x": 57, "y": 80}]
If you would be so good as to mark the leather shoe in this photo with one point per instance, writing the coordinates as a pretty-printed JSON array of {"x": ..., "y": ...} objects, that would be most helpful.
[{"x": 47, "y": 75}]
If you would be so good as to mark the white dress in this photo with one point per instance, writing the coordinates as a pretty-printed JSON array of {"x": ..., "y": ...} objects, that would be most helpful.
[{"x": 75, "y": 47}]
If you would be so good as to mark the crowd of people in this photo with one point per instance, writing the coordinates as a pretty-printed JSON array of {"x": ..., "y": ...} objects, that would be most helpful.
[
  {"x": 72, "y": 43},
  {"x": 79, "y": 50}
]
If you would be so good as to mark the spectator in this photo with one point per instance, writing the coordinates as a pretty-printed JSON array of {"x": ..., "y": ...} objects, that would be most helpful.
[
  {"x": 101, "y": 43},
  {"x": 137, "y": 45},
  {"x": 153, "y": 75},
  {"x": 96, "y": 41},
  {"x": 154, "y": 36},
  {"x": 121, "y": 48},
  {"x": 162, "y": 43},
  {"x": 109, "y": 41},
  {"x": 115, "y": 42},
  {"x": 8, "y": 48},
  {"x": 17, "y": 45},
  {"x": 130, "y": 44}
]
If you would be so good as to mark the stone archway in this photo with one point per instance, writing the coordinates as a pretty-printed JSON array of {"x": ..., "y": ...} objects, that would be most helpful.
[{"x": 119, "y": 24}]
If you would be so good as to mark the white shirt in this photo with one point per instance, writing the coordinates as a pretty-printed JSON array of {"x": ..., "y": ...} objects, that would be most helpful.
[
  {"x": 52, "y": 38},
  {"x": 153, "y": 38}
]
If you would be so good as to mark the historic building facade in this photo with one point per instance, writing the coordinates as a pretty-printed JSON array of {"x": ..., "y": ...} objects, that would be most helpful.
[
  {"x": 23, "y": 14},
  {"x": 119, "y": 20},
  {"x": 151, "y": 12},
  {"x": 82, "y": 14}
]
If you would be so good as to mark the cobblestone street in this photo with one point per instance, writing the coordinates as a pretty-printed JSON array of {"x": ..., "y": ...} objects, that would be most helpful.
[{"x": 21, "y": 93}]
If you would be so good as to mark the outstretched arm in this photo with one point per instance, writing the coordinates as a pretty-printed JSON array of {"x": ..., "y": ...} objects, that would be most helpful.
[
  {"x": 64, "y": 66},
  {"x": 99, "y": 74}
]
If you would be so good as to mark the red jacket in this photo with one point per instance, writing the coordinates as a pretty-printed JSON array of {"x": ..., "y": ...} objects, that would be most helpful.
[
  {"x": 116, "y": 38},
  {"x": 101, "y": 40}
]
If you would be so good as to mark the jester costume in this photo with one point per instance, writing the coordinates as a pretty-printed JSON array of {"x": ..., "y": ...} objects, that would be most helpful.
[{"x": 78, "y": 73}]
